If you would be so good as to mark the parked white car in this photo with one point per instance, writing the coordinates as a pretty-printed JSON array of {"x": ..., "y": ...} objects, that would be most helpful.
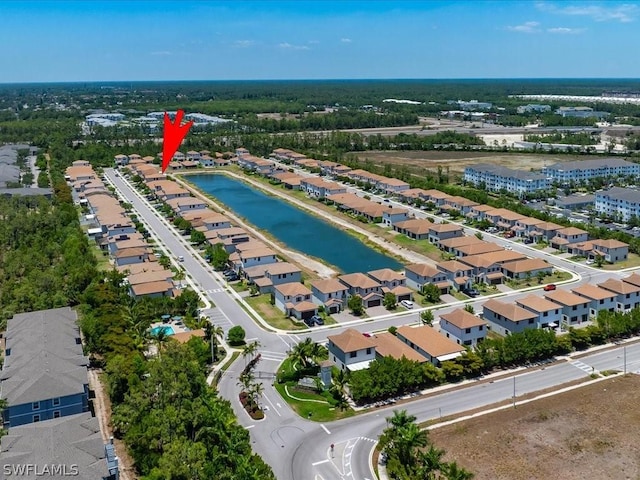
[{"x": 408, "y": 304}]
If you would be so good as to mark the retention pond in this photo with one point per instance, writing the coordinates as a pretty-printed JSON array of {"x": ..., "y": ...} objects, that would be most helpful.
[{"x": 294, "y": 227}]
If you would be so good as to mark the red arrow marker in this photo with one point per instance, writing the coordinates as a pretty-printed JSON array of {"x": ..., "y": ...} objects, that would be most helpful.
[{"x": 174, "y": 133}]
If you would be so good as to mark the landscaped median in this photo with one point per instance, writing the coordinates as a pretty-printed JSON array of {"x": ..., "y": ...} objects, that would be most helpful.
[{"x": 312, "y": 402}]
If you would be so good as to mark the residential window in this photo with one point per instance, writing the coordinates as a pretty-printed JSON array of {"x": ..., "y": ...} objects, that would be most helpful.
[
  {"x": 531, "y": 320},
  {"x": 56, "y": 414},
  {"x": 467, "y": 330},
  {"x": 35, "y": 406},
  {"x": 56, "y": 401},
  {"x": 575, "y": 307},
  {"x": 368, "y": 351},
  {"x": 36, "y": 418},
  {"x": 480, "y": 327},
  {"x": 353, "y": 354},
  {"x": 545, "y": 314}
]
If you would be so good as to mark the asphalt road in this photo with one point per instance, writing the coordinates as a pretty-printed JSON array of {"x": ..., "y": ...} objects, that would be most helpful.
[{"x": 299, "y": 449}]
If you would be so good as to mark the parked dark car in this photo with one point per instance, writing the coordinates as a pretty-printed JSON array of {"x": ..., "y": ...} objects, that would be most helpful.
[{"x": 318, "y": 320}]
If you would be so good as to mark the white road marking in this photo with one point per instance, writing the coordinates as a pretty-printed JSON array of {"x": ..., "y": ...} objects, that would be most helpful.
[
  {"x": 321, "y": 462},
  {"x": 274, "y": 407},
  {"x": 249, "y": 426},
  {"x": 325, "y": 429}
]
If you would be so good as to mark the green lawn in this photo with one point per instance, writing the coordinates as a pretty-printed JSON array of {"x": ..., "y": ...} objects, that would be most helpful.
[
  {"x": 420, "y": 246},
  {"x": 102, "y": 258},
  {"x": 312, "y": 410},
  {"x": 271, "y": 314}
]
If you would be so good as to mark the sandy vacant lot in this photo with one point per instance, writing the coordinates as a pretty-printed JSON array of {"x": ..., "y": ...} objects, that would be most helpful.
[
  {"x": 591, "y": 432},
  {"x": 457, "y": 161}
]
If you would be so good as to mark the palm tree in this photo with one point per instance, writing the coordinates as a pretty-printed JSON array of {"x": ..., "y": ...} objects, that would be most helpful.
[
  {"x": 453, "y": 472},
  {"x": 411, "y": 438},
  {"x": 211, "y": 332},
  {"x": 339, "y": 381},
  {"x": 400, "y": 419},
  {"x": 431, "y": 462},
  {"x": 250, "y": 349},
  {"x": 161, "y": 338},
  {"x": 245, "y": 380},
  {"x": 255, "y": 391}
]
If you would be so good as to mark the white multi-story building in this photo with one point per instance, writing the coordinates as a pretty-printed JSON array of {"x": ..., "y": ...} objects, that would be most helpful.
[
  {"x": 585, "y": 170},
  {"x": 622, "y": 202},
  {"x": 496, "y": 178}
]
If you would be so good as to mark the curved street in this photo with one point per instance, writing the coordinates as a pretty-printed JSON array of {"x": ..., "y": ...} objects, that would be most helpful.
[{"x": 299, "y": 449}]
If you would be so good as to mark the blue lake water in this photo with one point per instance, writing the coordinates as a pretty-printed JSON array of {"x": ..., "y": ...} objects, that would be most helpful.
[{"x": 294, "y": 227}]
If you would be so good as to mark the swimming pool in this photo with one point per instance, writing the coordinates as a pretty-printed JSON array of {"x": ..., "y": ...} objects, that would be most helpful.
[{"x": 167, "y": 330}]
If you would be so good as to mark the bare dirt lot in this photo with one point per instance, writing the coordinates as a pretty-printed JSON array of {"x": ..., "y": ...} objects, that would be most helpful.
[
  {"x": 457, "y": 161},
  {"x": 590, "y": 432}
]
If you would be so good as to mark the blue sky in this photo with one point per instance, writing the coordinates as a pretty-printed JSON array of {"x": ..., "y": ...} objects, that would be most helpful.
[{"x": 246, "y": 40}]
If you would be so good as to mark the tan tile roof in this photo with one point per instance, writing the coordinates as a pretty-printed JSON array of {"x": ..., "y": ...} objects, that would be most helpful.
[
  {"x": 457, "y": 242},
  {"x": 147, "y": 277},
  {"x": 305, "y": 306},
  {"x": 527, "y": 265},
  {"x": 151, "y": 287},
  {"x": 571, "y": 231},
  {"x": 358, "y": 280},
  {"x": 445, "y": 227},
  {"x": 510, "y": 311},
  {"x": 479, "y": 248},
  {"x": 548, "y": 226},
  {"x": 612, "y": 243},
  {"x": 564, "y": 297},
  {"x": 257, "y": 252},
  {"x": 385, "y": 275},
  {"x": 351, "y": 340},
  {"x": 140, "y": 267},
  {"x": 280, "y": 268},
  {"x": 633, "y": 279},
  {"x": 422, "y": 269},
  {"x": 292, "y": 289},
  {"x": 388, "y": 345},
  {"x": 529, "y": 221},
  {"x": 619, "y": 286},
  {"x": 482, "y": 208},
  {"x": 453, "y": 266},
  {"x": 462, "y": 319},
  {"x": 131, "y": 252},
  {"x": 594, "y": 292},
  {"x": 537, "y": 304},
  {"x": 329, "y": 285},
  {"x": 417, "y": 226},
  {"x": 429, "y": 340}
]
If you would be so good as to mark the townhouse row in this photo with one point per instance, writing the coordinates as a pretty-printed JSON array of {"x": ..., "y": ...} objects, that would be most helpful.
[
  {"x": 563, "y": 307},
  {"x": 180, "y": 160},
  {"x": 459, "y": 329},
  {"x": 45, "y": 383},
  {"x": 115, "y": 233}
]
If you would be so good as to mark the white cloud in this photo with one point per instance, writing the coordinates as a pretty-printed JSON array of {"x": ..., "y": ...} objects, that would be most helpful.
[
  {"x": 527, "y": 27},
  {"x": 289, "y": 46},
  {"x": 345, "y": 40},
  {"x": 164, "y": 53},
  {"x": 600, "y": 13},
  {"x": 565, "y": 30},
  {"x": 243, "y": 43}
]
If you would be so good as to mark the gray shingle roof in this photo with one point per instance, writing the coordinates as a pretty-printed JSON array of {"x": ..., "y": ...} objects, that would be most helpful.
[
  {"x": 46, "y": 358},
  {"x": 589, "y": 164},
  {"x": 73, "y": 440},
  {"x": 506, "y": 172}
]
